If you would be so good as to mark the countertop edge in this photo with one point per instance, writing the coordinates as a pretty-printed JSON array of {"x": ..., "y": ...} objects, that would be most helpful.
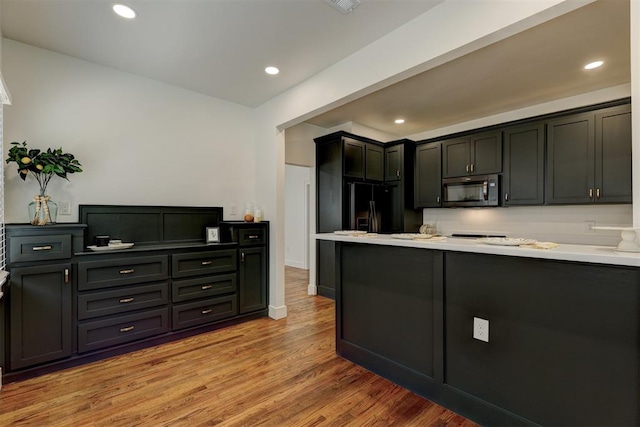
[{"x": 564, "y": 252}]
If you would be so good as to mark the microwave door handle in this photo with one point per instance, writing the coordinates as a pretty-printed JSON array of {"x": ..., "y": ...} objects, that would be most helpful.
[{"x": 485, "y": 192}]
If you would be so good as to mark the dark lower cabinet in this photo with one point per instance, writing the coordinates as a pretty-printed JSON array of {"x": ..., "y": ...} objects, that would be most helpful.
[
  {"x": 253, "y": 280},
  {"x": 563, "y": 345},
  {"x": 253, "y": 259},
  {"x": 41, "y": 314}
]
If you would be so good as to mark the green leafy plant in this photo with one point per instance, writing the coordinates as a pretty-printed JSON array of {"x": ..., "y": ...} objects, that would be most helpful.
[{"x": 42, "y": 165}]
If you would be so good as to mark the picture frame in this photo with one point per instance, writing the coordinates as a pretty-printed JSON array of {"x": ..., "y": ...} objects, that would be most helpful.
[{"x": 213, "y": 235}]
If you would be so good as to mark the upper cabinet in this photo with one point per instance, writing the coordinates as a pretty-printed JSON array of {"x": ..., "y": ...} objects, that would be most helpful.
[
  {"x": 363, "y": 160},
  {"x": 428, "y": 176},
  {"x": 589, "y": 157},
  {"x": 477, "y": 154},
  {"x": 523, "y": 176},
  {"x": 394, "y": 164}
]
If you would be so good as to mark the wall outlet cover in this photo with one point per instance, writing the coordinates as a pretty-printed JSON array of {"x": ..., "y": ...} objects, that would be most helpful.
[{"x": 481, "y": 329}]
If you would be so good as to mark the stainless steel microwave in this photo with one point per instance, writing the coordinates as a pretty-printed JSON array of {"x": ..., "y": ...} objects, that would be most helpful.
[{"x": 479, "y": 190}]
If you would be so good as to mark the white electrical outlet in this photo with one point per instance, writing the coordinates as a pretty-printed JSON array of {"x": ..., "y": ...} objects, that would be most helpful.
[
  {"x": 481, "y": 329},
  {"x": 65, "y": 208},
  {"x": 589, "y": 226},
  {"x": 234, "y": 209}
]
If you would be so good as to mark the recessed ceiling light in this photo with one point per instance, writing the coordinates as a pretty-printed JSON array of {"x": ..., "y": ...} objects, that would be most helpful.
[
  {"x": 271, "y": 70},
  {"x": 399, "y": 121},
  {"x": 592, "y": 65},
  {"x": 124, "y": 11}
]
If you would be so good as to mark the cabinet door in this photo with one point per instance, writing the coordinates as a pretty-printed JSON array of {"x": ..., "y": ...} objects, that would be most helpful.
[
  {"x": 393, "y": 164},
  {"x": 40, "y": 312},
  {"x": 353, "y": 155},
  {"x": 428, "y": 176},
  {"x": 613, "y": 155},
  {"x": 253, "y": 280},
  {"x": 486, "y": 153},
  {"x": 570, "y": 160},
  {"x": 326, "y": 268},
  {"x": 456, "y": 158},
  {"x": 374, "y": 163},
  {"x": 523, "y": 178}
]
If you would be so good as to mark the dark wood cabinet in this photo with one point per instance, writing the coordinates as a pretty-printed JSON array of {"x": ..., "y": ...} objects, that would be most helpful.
[
  {"x": 252, "y": 239},
  {"x": 374, "y": 163},
  {"x": 477, "y": 154},
  {"x": 613, "y": 155},
  {"x": 354, "y": 158},
  {"x": 39, "y": 302},
  {"x": 428, "y": 176},
  {"x": 394, "y": 163},
  {"x": 589, "y": 157},
  {"x": 523, "y": 170},
  {"x": 402, "y": 215},
  {"x": 41, "y": 314}
]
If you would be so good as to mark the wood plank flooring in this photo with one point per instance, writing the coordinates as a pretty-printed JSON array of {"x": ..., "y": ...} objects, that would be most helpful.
[{"x": 264, "y": 372}]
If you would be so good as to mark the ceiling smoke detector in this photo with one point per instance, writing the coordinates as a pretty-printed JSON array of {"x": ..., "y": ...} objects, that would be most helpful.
[{"x": 344, "y": 6}]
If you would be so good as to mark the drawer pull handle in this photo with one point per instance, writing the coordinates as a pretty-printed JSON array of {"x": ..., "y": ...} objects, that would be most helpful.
[
  {"x": 254, "y": 236},
  {"x": 129, "y": 271},
  {"x": 42, "y": 248},
  {"x": 207, "y": 311},
  {"x": 205, "y": 287},
  {"x": 66, "y": 275},
  {"x": 126, "y": 300},
  {"x": 242, "y": 257},
  {"x": 207, "y": 262},
  {"x": 127, "y": 329}
]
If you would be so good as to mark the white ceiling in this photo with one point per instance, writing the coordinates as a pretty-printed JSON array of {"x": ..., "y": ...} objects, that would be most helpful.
[
  {"x": 215, "y": 47},
  {"x": 220, "y": 48},
  {"x": 535, "y": 66}
]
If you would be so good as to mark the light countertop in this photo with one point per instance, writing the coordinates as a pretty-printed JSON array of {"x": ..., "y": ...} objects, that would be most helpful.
[{"x": 564, "y": 252}]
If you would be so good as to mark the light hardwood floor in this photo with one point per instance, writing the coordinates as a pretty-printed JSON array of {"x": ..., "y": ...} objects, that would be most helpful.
[{"x": 263, "y": 372}]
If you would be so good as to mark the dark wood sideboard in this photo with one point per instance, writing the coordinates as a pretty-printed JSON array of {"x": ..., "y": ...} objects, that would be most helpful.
[{"x": 66, "y": 305}]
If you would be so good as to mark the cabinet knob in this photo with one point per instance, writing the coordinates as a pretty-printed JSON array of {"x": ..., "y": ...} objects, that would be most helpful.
[{"x": 591, "y": 193}]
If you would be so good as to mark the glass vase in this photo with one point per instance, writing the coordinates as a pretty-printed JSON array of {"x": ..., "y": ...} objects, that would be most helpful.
[{"x": 42, "y": 210}]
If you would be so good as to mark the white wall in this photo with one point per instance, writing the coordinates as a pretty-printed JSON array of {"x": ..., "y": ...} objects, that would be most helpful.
[
  {"x": 362, "y": 130},
  {"x": 559, "y": 224},
  {"x": 300, "y": 149},
  {"x": 297, "y": 193},
  {"x": 140, "y": 142}
]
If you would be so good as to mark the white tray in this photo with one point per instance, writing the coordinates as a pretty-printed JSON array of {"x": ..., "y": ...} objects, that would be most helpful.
[
  {"x": 506, "y": 241},
  {"x": 111, "y": 247}
]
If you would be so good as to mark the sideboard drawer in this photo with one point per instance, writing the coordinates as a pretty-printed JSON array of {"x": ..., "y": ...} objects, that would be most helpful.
[
  {"x": 124, "y": 271},
  {"x": 200, "y": 263},
  {"x": 39, "y": 248},
  {"x": 203, "y": 287},
  {"x": 205, "y": 311},
  {"x": 130, "y": 298},
  {"x": 251, "y": 236},
  {"x": 122, "y": 329}
]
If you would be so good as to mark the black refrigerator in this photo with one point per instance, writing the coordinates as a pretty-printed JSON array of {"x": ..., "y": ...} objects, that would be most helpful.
[{"x": 368, "y": 207}]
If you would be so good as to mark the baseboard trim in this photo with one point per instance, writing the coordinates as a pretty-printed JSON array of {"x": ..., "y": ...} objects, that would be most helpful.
[
  {"x": 295, "y": 264},
  {"x": 277, "y": 312},
  {"x": 312, "y": 290}
]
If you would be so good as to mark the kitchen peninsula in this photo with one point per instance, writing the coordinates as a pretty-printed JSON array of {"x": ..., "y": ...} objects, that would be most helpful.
[{"x": 561, "y": 342}]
